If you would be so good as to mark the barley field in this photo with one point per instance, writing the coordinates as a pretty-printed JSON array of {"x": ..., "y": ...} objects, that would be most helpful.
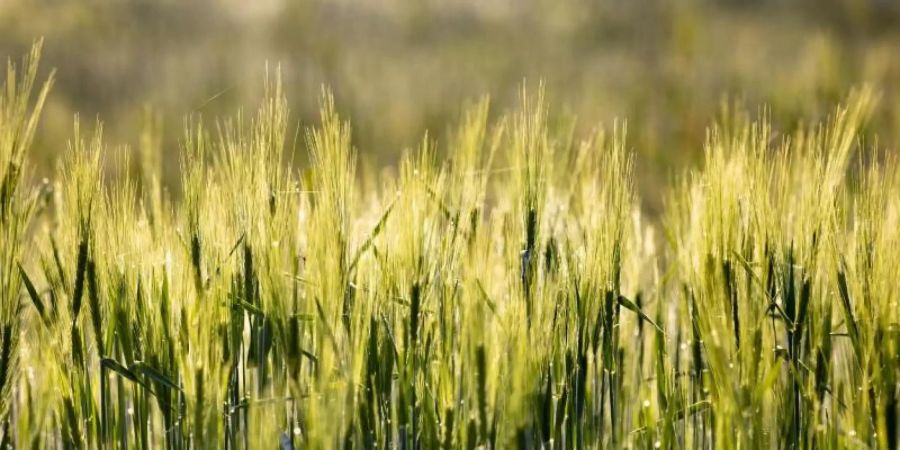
[{"x": 504, "y": 287}]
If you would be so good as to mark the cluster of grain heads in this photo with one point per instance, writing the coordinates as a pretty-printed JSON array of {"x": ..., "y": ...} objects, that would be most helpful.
[
  {"x": 19, "y": 112},
  {"x": 507, "y": 296},
  {"x": 764, "y": 239},
  {"x": 867, "y": 269}
]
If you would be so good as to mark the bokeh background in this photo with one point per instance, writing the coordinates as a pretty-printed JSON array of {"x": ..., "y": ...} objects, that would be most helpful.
[{"x": 399, "y": 68}]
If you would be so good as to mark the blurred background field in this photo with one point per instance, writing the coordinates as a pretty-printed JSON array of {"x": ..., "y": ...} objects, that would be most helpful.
[{"x": 399, "y": 68}]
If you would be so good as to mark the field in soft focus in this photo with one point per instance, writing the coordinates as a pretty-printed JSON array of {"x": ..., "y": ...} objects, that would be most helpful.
[{"x": 399, "y": 68}]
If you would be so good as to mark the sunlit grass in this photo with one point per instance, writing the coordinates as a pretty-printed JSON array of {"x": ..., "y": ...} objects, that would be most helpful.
[{"x": 509, "y": 295}]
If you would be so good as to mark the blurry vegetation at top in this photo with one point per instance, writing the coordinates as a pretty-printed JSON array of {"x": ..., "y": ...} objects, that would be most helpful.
[{"x": 398, "y": 68}]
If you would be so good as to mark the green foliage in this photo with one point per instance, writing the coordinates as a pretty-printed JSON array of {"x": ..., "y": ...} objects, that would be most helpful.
[
  {"x": 510, "y": 295},
  {"x": 18, "y": 122}
]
